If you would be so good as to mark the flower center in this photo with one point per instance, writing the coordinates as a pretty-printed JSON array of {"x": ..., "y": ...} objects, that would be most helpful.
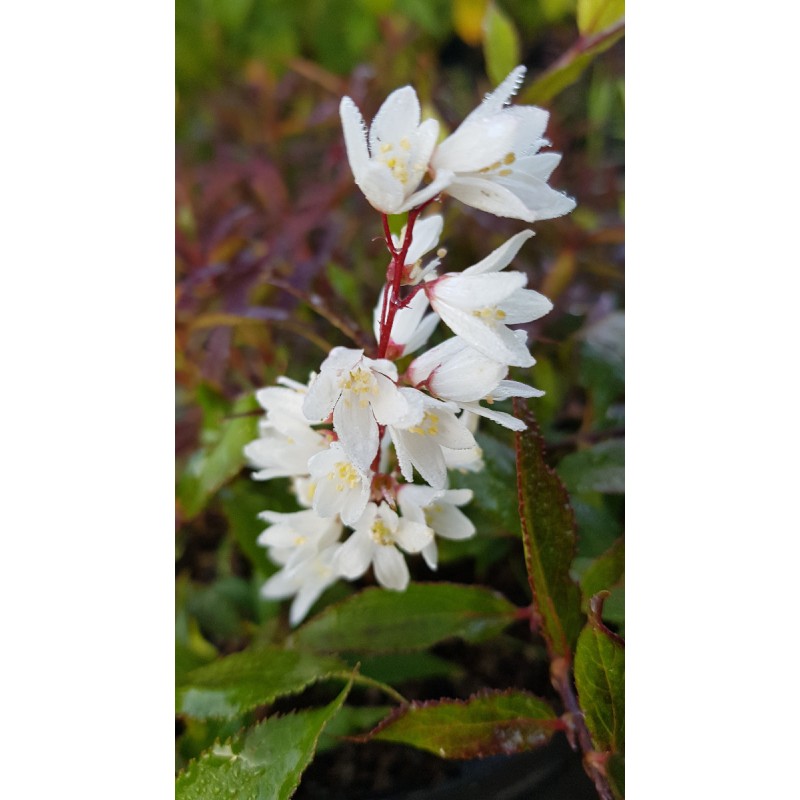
[
  {"x": 344, "y": 475},
  {"x": 490, "y": 314},
  {"x": 429, "y": 426},
  {"x": 508, "y": 159},
  {"x": 360, "y": 382},
  {"x": 381, "y": 534}
]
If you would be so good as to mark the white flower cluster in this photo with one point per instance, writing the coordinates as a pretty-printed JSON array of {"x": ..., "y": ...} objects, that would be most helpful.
[{"x": 352, "y": 439}]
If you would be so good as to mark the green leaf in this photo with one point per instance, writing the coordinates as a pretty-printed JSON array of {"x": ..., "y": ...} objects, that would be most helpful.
[
  {"x": 380, "y": 621},
  {"x": 604, "y": 572},
  {"x": 211, "y": 468},
  {"x": 242, "y": 681},
  {"x": 351, "y": 721},
  {"x": 394, "y": 668},
  {"x": 549, "y": 539},
  {"x": 600, "y": 468},
  {"x": 571, "y": 65},
  {"x": 600, "y": 680},
  {"x": 594, "y": 15},
  {"x": 501, "y": 47},
  {"x": 487, "y": 724},
  {"x": 265, "y": 763}
]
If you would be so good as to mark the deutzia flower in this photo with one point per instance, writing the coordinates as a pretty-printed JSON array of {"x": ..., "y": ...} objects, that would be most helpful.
[
  {"x": 390, "y": 167},
  {"x": 304, "y": 545},
  {"x": 494, "y": 157},
  {"x": 340, "y": 487},
  {"x": 361, "y": 392},
  {"x": 419, "y": 444},
  {"x": 375, "y": 539},
  {"x": 477, "y": 304},
  {"x": 456, "y": 372},
  {"x": 436, "y": 509},
  {"x": 286, "y": 440}
]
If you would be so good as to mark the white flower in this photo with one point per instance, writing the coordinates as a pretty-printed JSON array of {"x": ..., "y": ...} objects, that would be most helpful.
[
  {"x": 375, "y": 539},
  {"x": 425, "y": 237},
  {"x": 471, "y": 459},
  {"x": 389, "y": 169},
  {"x": 420, "y": 443},
  {"x": 340, "y": 487},
  {"x": 478, "y": 304},
  {"x": 286, "y": 439},
  {"x": 436, "y": 509},
  {"x": 456, "y": 372},
  {"x": 304, "y": 545},
  {"x": 361, "y": 393},
  {"x": 305, "y": 577},
  {"x": 493, "y": 154}
]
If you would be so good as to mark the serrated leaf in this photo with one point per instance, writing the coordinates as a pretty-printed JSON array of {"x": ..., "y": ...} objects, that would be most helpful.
[
  {"x": 600, "y": 680},
  {"x": 594, "y": 15},
  {"x": 487, "y": 724},
  {"x": 604, "y": 572},
  {"x": 394, "y": 668},
  {"x": 351, "y": 721},
  {"x": 571, "y": 65},
  {"x": 379, "y": 621},
  {"x": 501, "y": 47},
  {"x": 549, "y": 539},
  {"x": 265, "y": 763},
  {"x": 600, "y": 468},
  {"x": 242, "y": 681}
]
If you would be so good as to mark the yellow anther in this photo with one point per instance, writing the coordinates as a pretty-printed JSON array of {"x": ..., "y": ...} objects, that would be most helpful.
[
  {"x": 509, "y": 158},
  {"x": 504, "y": 172},
  {"x": 429, "y": 426},
  {"x": 405, "y": 144},
  {"x": 299, "y": 540},
  {"x": 381, "y": 533},
  {"x": 441, "y": 252},
  {"x": 489, "y": 313},
  {"x": 386, "y": 147}
]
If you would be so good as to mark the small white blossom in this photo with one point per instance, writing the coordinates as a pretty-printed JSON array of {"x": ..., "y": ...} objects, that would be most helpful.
[
  {"x": 494, "y": 157},
  {"x": 305, "y": 577},
  {"x": 389, "y": 164},
  {"x": 286, "y": 440},
  {"x": 478, "y": 305},
  {"x": 340, "y": 486},
  {"x": 361, "y": 393},
  {"x": 375, "y": 539},
  {"x": 304, "y": 544},
  {"x": 420, "y": 444},
  {"x": 436, "y": 509}
]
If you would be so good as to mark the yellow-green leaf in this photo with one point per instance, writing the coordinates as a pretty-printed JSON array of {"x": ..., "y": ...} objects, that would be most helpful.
[
  {"x": 594, "y": 15},
  {"x": 501, "y": 47}
]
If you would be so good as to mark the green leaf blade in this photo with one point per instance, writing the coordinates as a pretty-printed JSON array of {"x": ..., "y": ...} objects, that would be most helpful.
[
  {"x": 549, "y": 539},
  {"x": 380, "y": 621},
  {"x": 265, "y": 763},
  {"x": 243, "y": 681},
  {"x": 501, "y": 46},
  {"x": 600, "y": 680},
  {"x": 595, "y": 15},
  {"x": 490, "y": 723}
]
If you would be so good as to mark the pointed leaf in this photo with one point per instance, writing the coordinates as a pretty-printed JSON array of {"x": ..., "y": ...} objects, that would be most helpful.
[
  {"x": 242, "y": 681},
  {"x": 549, "y": 539},
  {"x": 571, "y": 65},
  {"x": 487, "y": 724},
  {"x": 501, "y": 46},
  {"x": 265, "y": 763},
  {"x": 600, "y": 680},
  {"x": 377, "y": 621}
]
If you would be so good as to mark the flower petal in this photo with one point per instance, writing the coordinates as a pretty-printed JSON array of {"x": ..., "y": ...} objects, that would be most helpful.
[
  {"x": 355, "y": 136},
  {"x": 501, "y": 257},
  {"x": 391, "y": 569}
]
